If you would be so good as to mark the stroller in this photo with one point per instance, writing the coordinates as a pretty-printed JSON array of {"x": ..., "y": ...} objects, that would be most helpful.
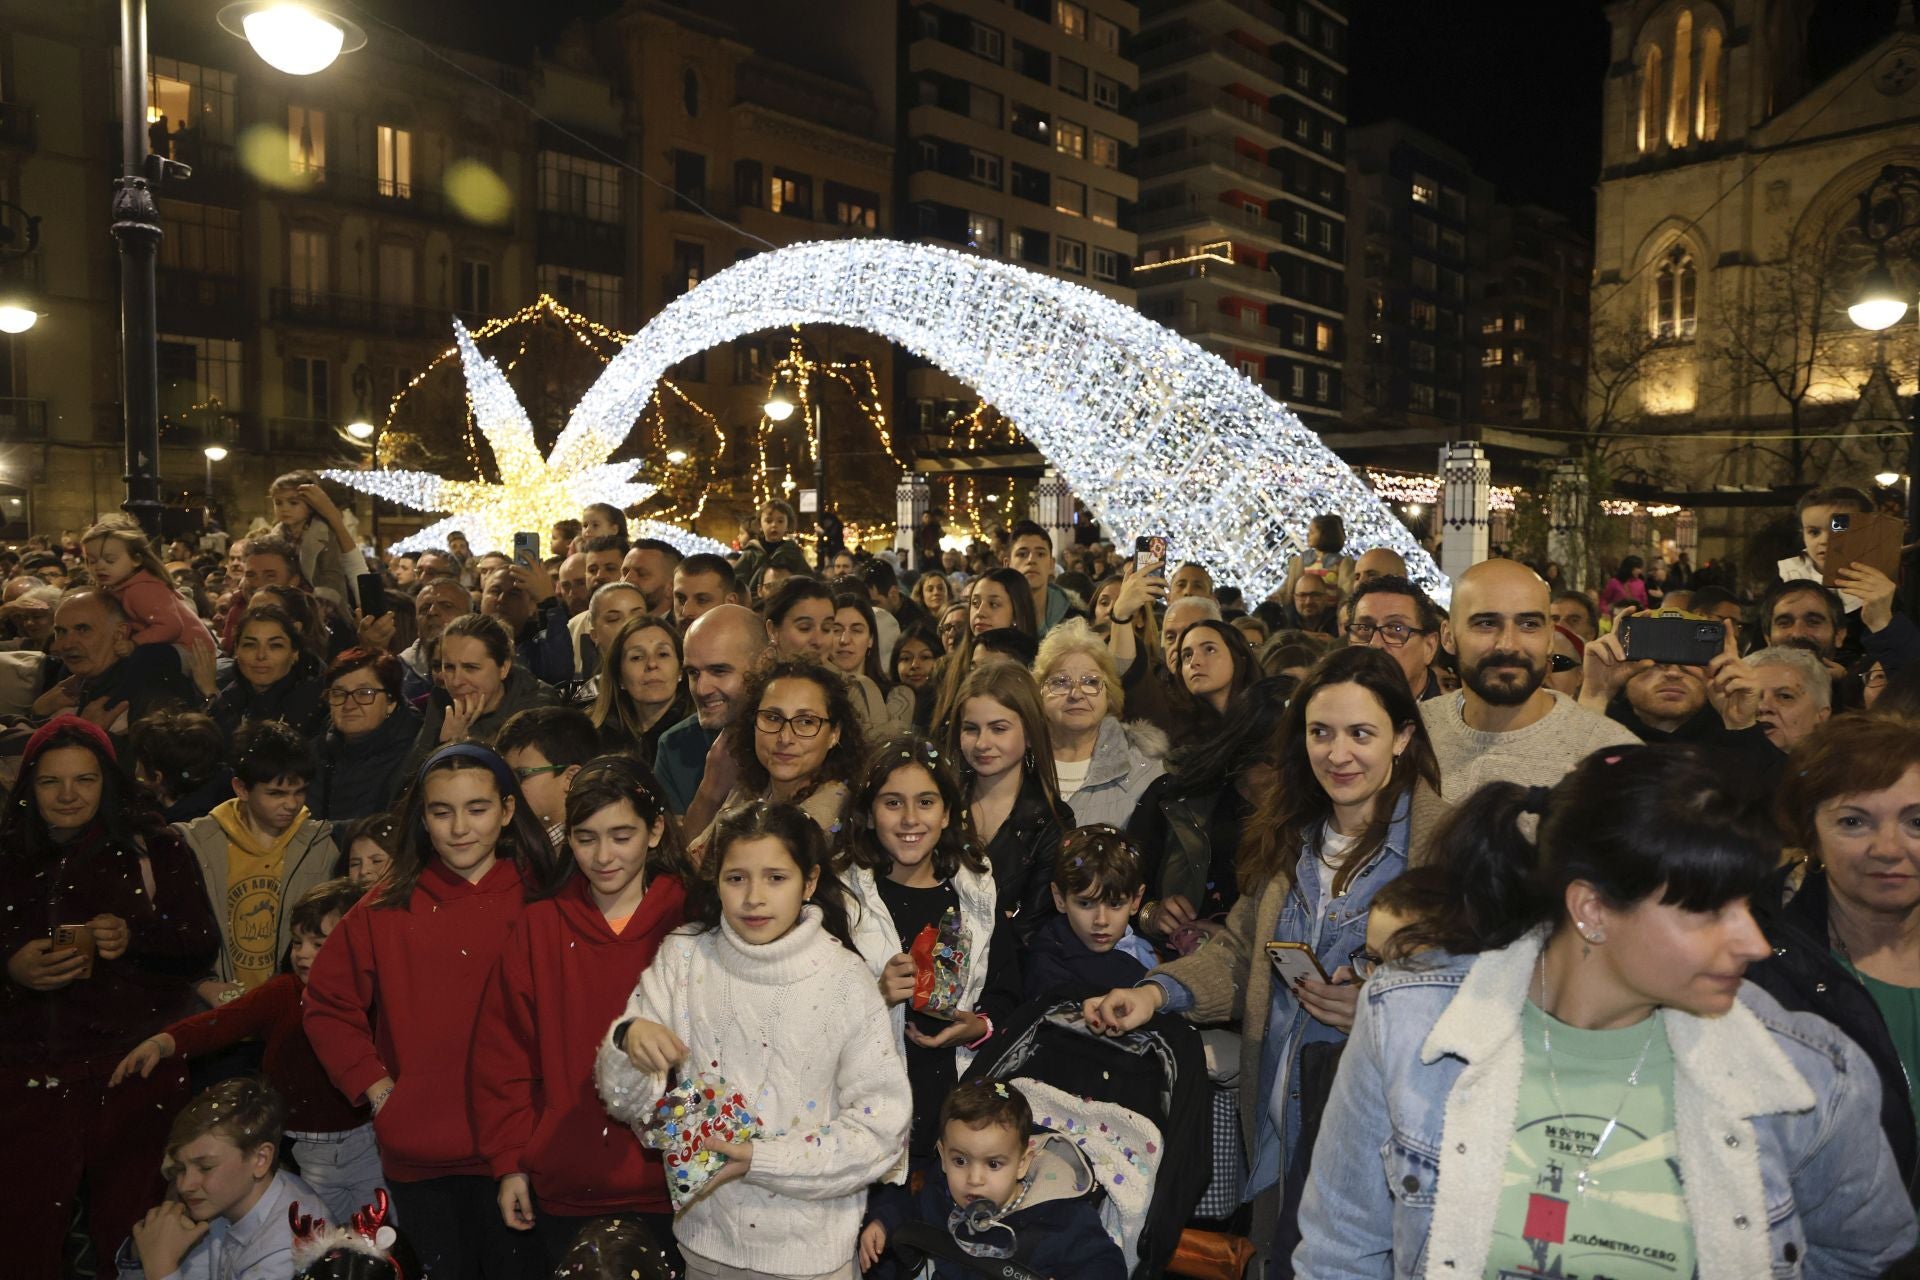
[{"x": 1113, "y": 1112}]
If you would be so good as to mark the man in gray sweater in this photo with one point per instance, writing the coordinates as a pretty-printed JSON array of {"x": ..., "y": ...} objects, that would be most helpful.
[{"x": 1504, "y": 725}]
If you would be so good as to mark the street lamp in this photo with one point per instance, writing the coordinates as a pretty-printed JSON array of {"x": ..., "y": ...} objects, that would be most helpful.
[
  {"x": 1881, "y": 303},
  {"x": 295, "y": 38},
  {"x": 779, "y": 406},
  {"x": 16, "y": 316},
  {"x": 215, "y": 453},
  {"x": 362, "y": 430}
]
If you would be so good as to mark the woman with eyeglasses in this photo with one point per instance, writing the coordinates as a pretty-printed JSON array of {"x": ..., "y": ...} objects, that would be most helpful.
[
  {"x": 1103, "y": 765},
  {"x": 1355, "y": 791},
  {"x": 799, "y": 743},
  {"x": 369, "y": 734}
]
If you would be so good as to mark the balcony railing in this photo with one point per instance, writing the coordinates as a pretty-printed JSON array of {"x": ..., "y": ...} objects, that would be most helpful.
[
  {"x": 1231, "y": 275},
  {"x": 22, "y": 419},
  {"x": 1204, "y": 153},
  {"x": 1163, "y": 109},
  {"x": 1203, "y": 211},
  {"x": 1220, "y": 325},
  {"x": 365, "y": 315},
  {"x": 1180, "y": 50},
  {"x": 195, "y": 302}
]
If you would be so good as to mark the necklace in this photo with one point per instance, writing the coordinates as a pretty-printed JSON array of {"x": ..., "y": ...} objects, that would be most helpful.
[{"x": 1585, "y": 1180}]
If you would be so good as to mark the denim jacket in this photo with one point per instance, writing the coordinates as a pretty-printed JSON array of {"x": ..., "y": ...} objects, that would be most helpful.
[{"x": 1776, "y": 1124}]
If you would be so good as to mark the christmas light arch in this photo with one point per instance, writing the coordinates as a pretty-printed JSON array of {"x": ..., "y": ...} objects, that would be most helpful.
[{"x": 1155, "y": 435}]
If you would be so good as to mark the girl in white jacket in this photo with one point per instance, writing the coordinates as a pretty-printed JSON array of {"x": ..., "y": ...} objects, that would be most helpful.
[{"x": 767, "y": 993}]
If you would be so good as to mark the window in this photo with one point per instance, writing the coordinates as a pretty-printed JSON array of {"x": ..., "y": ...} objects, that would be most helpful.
[
  {"x": 187, "y": 105},
  {"x": 1106, "y": 265},
  {"x": 1453, "y": 244},
  {"x": 1425, "y": 190},
  {"x": 307, "y": 141},
  {"x": 1069, "y": 139},
  {"x": 1680, "y": 98},
  {"x": 307, "y": 263},
  {"x": 1302, "y": 75},
  {"x": 1300, "y": 126},
  {"x": 1326, "y": 139},
  {"x": 1519, "y": 322},
  {"x": 689, "y": 266},
  {"x": 1248, "y": 368},
  {"x": 1070, "y": 255},
  {"x": 1706, "y": 115},
  {"x": 1424, "y": 315},
  {"x": 1424, "y": 274},
  {"x": 1299, "y": 381},
  {"x": 1421, "y": 356},
  {"x": 790, "y": 194},
  {"x": 1674, "y": 287},
  {"x": 852, "y": 207},
  {"x": 1519, "y": 356},
  {"x": 1426, "y": 232},
  {"x": 1650, "y": 70},
  {"x": 1299, "y": 225},
  {"x": 1105, "y": 151},
  {"x": 397, "y": 275},
  {"x": 1070, "y": 197},
  {"x": 986, "y": 106},
  {"x": 1322, "y": 336},
  {"x": 577, "y": 186},
  {"x": 1326, "y": 235},
  {"x": 1493, "y": 324},
  {"x": 1420, "y": 397},
  {"x": 690, "y": 92},
  {"x": 1453, "y": 284},
  {"x": 1490, "y": 358},
  {"x": 308, "y": 389},
  {"x": 1027, "y": 245},
  {"x": 1103, "y": 207},
  {"x": 1105, "y": 35},
  {"x": 201, "y": 238},
  {"x": 984, "y": 168},
  {"x": 1106, "y": 93},
  {"x": 986, "y": 42},
  {"x": 1031, "y": 184},
  {"x": 689, "y": 179},
  {"x": 1030, "y": 123},
  {"x": 476, "y": 287},
  {"x": 593, "y": 294},
  {"x": 1323, "y": 386},
  {"x": 749, "y": 183},
  {"x": 1299, "y": 331},
  {"x": 1070, "y": 18},
  {"x": 983, "y": 233},
  {"x": 1034, "y": 64},
  {"x": 1073, "y": 78},
  {"x": 749, "y": 361},
  {"x": 194, "y": 372},
  {"x": 1453, "y": 204},
  {"x": 393, "y": 152}
]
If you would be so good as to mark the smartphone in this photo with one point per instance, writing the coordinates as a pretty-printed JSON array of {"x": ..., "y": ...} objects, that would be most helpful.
[
  {"x": 1148, "y": 552},
  {"x": 1295, "y": 961},
  {"x": 373, "y": 594},
  {"x": 1672, "y": 637},
  {"x": 526, "y": 548},
  {"x": 1867, "y": 538},
  {"x": 80, "y": 938}
]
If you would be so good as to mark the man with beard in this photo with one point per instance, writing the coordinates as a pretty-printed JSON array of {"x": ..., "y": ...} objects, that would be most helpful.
[
  {"x": 1804, "y": 614},
  {"x": 1716, "y": 706},
  {"x": 1504, "y": 725},
  {"x": 692, "y": 761}
]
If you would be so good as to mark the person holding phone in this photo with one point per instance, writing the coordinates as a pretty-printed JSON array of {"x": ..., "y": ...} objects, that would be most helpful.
[{"x": 1357, "y": 788}]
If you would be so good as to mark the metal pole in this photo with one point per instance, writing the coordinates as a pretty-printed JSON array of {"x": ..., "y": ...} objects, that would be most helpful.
[
  {"x": 1912, "y": 583},
  {"x": 819, "y": 463},
  {"x": 136, "y": 226}
]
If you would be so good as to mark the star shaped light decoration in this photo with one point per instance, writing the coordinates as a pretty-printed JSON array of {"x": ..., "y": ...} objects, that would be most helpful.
[{"x": 533, "y": 491}]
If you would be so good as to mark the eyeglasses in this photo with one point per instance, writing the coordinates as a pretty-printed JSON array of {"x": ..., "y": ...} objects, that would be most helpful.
[
  {"x": 361, "y": 697},
  {"x": 804, "y": 725},
  {"x": 1392, "y": 634},
  {"x": 525, "y": 772},
  {"x": 1364, "y": 962},
  {"x": 1061, "y": 686},
  {"x": 1561, "y": 663}
]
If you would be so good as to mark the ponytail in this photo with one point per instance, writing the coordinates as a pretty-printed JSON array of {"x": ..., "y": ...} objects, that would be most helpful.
[{"x": 1475, "y": 890}]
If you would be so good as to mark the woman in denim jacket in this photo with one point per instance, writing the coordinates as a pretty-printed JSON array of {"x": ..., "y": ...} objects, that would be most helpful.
[
  {"x": 1357, "y": 788},
  {"x": 1572, "y": 1077}
]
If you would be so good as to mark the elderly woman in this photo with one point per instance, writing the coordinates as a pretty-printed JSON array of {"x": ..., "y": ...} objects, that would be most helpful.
[
  {"x": 369, "y": 735},
  {"x": 1104, "y": 765}
]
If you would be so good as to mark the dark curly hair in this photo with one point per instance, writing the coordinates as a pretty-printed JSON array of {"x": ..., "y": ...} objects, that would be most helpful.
[
  {"x": 804, "y": 841},
  {"x": 842, "y": 759},
  {"x": 863, "y": 847}
]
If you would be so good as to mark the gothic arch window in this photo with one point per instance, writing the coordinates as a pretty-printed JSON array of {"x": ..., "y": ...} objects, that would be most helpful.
[
  {"x": 1706, "y": 116},
  {"x": 1675, "y": 296},
  {"x": 1680, "y": 99},
  {"x": 1650, "y": 99}
]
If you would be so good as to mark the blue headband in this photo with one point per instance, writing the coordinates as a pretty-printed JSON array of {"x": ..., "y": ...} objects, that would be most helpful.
[{"x": 502, "y": 772}]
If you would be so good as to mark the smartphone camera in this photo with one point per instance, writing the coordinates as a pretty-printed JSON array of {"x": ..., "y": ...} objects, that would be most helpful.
[{"x": 1839, "y": 522}]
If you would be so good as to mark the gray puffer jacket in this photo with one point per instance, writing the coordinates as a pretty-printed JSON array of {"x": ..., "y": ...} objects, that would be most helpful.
[{"x": 1127, "y": 756}]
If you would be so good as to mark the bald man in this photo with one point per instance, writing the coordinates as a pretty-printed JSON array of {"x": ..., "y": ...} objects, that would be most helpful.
[
  {"x": 1504, "y": 725},
  {"x": 692, "y": 763},
  {"x": 1381, "y": 562}
]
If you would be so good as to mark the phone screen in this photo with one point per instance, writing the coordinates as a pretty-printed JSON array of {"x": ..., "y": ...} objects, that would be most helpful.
[{"x": 1148, "y": 552}]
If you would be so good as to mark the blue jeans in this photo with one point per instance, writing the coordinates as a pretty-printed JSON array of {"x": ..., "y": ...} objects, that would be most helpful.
[{"x": 343, "y": 1167}]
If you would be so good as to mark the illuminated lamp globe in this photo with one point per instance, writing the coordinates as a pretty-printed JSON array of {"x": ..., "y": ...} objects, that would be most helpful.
[
  {"x": 215, "y": 452},
  {"x": 1887, "y": 479},
  {"x": 1880, "y": 305},
  {"x": 17, "y": 317},
  {"x": 294, "y": 38},
  {"x": 362, "y": 430},
  {"x": 676, "y": 456},
  {"x": 779, "y": 406}
]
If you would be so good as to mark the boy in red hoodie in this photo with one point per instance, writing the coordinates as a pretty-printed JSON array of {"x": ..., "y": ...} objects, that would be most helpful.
[
  {"x": 568, "y": 969},
  {"x": 332, "y": 1138},
  {"x": 420, "y": 949}
]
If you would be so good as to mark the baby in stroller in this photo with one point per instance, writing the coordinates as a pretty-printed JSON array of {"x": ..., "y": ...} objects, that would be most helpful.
[{"x": 1086, "y": 1201}]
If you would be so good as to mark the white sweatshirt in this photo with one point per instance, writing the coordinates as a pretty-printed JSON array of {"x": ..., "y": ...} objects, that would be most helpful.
[{"x": 798, "y": 1028}]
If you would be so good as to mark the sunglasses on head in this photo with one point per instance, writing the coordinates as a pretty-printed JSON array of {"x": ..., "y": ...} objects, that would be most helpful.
[{"x": 1561, "y": 663}]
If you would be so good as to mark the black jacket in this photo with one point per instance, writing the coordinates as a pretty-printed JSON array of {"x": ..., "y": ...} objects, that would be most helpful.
[
  {"x": 1805, "y": 977},
  {"x": 1022, "y": 853},
  {"x": 298, "y": 698},
  {"x": 1058, "y": 966},
  {"x": 1746, "y": 751},
  {"x": 361, "y": 776}
]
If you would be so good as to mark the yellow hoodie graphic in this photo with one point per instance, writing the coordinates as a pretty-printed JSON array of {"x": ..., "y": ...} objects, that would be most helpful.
[{"x": 255, "y": 876}]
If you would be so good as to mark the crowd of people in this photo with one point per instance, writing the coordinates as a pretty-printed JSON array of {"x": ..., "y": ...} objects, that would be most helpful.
[{"x": 624, "y": 913}]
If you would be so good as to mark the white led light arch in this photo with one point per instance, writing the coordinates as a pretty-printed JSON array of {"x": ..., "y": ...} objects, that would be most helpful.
[{"x": 1154, "y": 434}]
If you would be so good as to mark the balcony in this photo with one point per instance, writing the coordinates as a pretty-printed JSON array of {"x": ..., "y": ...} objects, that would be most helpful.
[
  {"x": 1223, "y": 328},
  {"x": 1227, "y": 275},
  {"x": 196, "y": 303},
  {"x": 1266, "y": 72},
  {"x": 718, "y": 203},
  {"x": 362, "y": 315},
  {"x": 570, "y": 240},
  {"x": 22, "y": 420},
  {"x": 1245, "y": 111},
  {"x": 1208, "y": 213},
  {"x": 1216, "y": 154},
  {"x": 16, "y": 126},
  {"x": 1270, "y": 20}
]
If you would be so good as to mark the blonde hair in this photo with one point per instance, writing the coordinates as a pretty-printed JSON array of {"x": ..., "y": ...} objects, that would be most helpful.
[
  {"x": 1071, "y": 637},
  {"x": 131, "y": 536}
]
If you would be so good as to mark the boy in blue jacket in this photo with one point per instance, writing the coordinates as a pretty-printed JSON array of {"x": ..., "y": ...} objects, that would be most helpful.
[{"x": 1089, "y": 949}]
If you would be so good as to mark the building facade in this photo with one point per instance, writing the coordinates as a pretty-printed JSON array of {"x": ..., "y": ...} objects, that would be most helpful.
[{"x": 1242, "y": 218}]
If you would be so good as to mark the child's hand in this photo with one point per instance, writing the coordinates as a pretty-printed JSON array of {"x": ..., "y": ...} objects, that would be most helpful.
[
  {"x": 516, "y": 1202},
  {"x": 653, "y": 1048},
  {"x": 146, "y": 1055},
  {"x": 1123, "y": 1009},
  {"x": 966, "y": 1028},
  {"x": 214, "y": 993},
  {"x": 316, "y": 498},
  {"x": 739, "y": 1159},
  {"x": 873, "y": 1243},
  {"x": 896, "y": 980},
  {"x": 164, "y": 1237}
]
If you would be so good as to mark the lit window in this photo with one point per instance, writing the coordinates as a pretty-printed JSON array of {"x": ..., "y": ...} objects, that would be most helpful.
[
  {"x": 394, "y": 156},
  {"x": 1680, "y": 98},
  {"x": 1106, "y": 265},
  {"x": 1069, "y": 139},
  {"x": 1103, "y": 207},
  {"x": 1706, "y": 117},
  {"x": 307, "y": 263},
  {"x": 584, "y": 188},
  {"x": 1070, "y": 197},
  {"x": 1649, "y": 133},
  {"x": 593, "y": 294},
  {"x": 790, "y": 194},
  {"x": 1674, "y": 295},
  {"x": 307, "y": 140},
  {"x": 1070, "y": 255},
  {"x": 1322, "y": 336},
  {"x": 1070, "y": 18},
  {"x": 1490, "y": 358},
  {"x": 983, "y": 233},
  {"x": 1105, "y": 151},
  {"x": 1425, "y": 190}
]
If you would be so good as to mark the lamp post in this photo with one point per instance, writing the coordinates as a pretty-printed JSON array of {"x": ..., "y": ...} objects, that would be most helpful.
[
  {"x": 215, "y": 453},
  {"x": 780, "y": 406},
  {"x": 295, "y": 38},
  {"x": 1882, "y": 304}
]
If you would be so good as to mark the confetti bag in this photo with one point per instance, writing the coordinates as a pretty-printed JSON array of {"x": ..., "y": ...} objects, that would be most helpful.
[
  {"x": 939, "y": 960},
  {"x": 688, "y": 1116}
]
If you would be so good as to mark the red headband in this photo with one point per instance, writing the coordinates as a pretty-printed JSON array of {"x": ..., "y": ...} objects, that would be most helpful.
[{"x": 86, "y": 728}]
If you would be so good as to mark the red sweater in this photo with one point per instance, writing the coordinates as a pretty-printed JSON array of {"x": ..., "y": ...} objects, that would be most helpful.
[
  {"x": 273, "y": 1010},
  {"x": 423, "y": 967},
  {"x": 563, "y": 979}
]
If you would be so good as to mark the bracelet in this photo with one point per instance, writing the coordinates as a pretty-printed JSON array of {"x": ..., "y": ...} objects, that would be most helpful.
[
  {"x": 620, "y": 1030},
  {"x": 988, "y": 1036},
  {"x": 1146, "y": 912}
]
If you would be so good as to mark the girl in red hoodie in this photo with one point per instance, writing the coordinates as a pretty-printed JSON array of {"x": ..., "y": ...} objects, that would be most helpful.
[
  {"x": 419, "y": 949},
  {"x": 565, "y": 976}
]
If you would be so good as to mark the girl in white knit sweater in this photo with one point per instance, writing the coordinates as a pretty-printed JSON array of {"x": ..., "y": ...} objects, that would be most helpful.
[{"x": 768, "y": 993}]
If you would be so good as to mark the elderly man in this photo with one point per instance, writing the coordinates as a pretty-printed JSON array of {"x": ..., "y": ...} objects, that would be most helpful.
[
  {"x": 1381, "y": 562},
  {"x": 111, "y": 680},
  {"x": 1393, "y": 614},
  {"x": 1796, "y": 693},
  {"x": 1504, "y": 725},
  {"x": 692, "y": 761},
  {"x": 525, "y": 600},
  {"x": 1315, "y": 604},
  {"x": 1190, "y": 579},
  {"x": 438, "y": 602}
]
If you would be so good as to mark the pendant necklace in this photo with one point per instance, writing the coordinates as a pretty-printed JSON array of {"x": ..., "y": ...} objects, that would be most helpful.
[{"x": 1584, "y": 1180}]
